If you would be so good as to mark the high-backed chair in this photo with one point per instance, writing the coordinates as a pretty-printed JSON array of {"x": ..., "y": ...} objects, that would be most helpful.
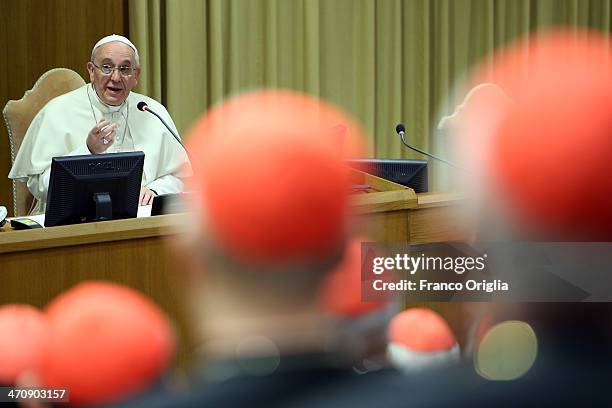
[
  {"x": 482, "y": 92},
  {"x": 19, "y": 114},
  {"x": 490, "y": 100}
]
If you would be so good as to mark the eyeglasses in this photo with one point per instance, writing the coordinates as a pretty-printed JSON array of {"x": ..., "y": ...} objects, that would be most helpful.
[{"x": 124, "y": 70}]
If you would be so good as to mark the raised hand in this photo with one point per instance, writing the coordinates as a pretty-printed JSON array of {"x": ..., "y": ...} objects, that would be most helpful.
[{"x": 101, "y": 136}]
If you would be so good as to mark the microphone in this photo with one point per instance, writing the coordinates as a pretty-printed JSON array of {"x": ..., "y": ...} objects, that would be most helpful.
[
  {"x": 401, "y": 130},
  {"x": 142, "y": 106}
]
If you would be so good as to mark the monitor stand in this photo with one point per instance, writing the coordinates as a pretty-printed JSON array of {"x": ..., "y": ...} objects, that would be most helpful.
[{"x": 104, "y": 207}]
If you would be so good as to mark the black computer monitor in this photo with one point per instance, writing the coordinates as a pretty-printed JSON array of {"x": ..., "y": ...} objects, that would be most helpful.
[
  {"x": 409, "y": 173},
  {"x": 93, "y": 188}
]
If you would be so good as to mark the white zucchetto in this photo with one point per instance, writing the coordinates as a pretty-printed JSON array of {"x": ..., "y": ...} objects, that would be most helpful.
[{"x": 120, "y": 38}]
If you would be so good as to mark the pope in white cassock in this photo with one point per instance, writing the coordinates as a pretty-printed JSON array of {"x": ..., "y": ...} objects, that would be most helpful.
[{"x": 102, "y": 117}]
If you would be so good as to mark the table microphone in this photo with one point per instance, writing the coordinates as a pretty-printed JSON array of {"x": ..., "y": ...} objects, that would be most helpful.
[
  {"x": 142, "y": 106},
  {"x": 401, "y": 130}
]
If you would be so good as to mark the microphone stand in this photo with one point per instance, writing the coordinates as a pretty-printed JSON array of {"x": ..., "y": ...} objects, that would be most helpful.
[
  {"x": 416, "y": 149},
  {"x": 145, "y": 108}
]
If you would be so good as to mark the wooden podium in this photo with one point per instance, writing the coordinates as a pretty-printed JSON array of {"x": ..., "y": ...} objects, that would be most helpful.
[{"x": 36, "y": 265}]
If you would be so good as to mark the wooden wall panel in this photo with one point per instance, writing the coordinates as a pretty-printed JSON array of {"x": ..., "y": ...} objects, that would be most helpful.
[{"x": 37, "y": 35}]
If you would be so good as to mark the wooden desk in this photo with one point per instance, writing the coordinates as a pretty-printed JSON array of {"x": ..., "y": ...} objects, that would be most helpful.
[
  {"x": 36, "y": 265},
  {"x": 394, "y": 213}
]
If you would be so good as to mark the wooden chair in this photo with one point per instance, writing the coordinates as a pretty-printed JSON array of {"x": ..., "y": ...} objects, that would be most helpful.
[
  {"x": 491, "y": 101},
  {"x": 19, "y": 114},
  {"x": 482, "y": 92}
]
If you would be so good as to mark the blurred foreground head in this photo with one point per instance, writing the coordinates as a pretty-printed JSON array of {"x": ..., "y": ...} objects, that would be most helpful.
[
  {"x": 543, "y": 160},
  {"x": 271, "y": 218},
  {"x": 548, "y": 153},
  {"x": 22, "y": 332},
  {"x": 271, "y": 183},
  {"x": 420, "y": 340},
  {"x": 271, "y": 191},
  {"x": 105, "y": 343}
]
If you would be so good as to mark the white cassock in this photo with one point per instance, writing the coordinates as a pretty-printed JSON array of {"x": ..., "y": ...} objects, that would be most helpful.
[{"x": 61, "y": 128}]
